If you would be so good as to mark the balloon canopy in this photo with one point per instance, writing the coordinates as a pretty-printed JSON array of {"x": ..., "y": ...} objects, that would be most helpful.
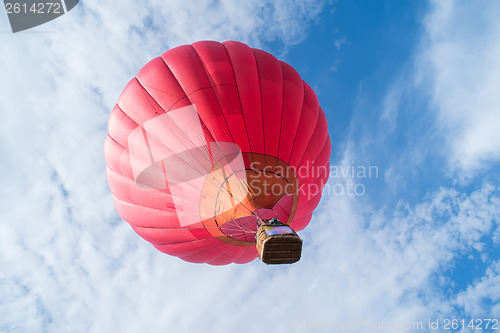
[{"x": 209, "y": 138}]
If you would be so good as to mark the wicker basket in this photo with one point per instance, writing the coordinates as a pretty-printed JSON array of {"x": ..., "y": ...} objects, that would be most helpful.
[{"x": 278, "y": 245}]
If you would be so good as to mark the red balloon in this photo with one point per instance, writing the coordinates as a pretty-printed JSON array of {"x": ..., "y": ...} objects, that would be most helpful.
[{"x": 208, "y": 138}]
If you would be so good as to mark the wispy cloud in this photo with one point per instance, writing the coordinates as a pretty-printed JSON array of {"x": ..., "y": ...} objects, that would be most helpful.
[
  {"x": 339, "y": 42},
  {"x": 67, "y": 261},
  {"x": 434, "y": 129},
  {"x": 458, "y": 65},
  {"x": 483, "y": 296}
]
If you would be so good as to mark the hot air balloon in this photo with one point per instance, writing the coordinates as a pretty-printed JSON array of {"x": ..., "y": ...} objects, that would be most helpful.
[{"x": 211, "y": 143}]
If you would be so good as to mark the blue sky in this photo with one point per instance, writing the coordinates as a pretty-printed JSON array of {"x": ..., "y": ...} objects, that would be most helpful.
[{"x": 410, "y": 88}]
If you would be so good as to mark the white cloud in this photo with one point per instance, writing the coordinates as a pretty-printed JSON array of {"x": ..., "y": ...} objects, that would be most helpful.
[
  {"x": 458, "y": 63},
  {"x": 482, "y": 298},
  {"x": 339, "y": 42},
  {"x": 68, "y": 263},
  {"x": 408, "y": 254}
]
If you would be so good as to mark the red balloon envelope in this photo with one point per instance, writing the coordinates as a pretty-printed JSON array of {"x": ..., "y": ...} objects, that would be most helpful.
[{"x": 208, "y": 138}]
